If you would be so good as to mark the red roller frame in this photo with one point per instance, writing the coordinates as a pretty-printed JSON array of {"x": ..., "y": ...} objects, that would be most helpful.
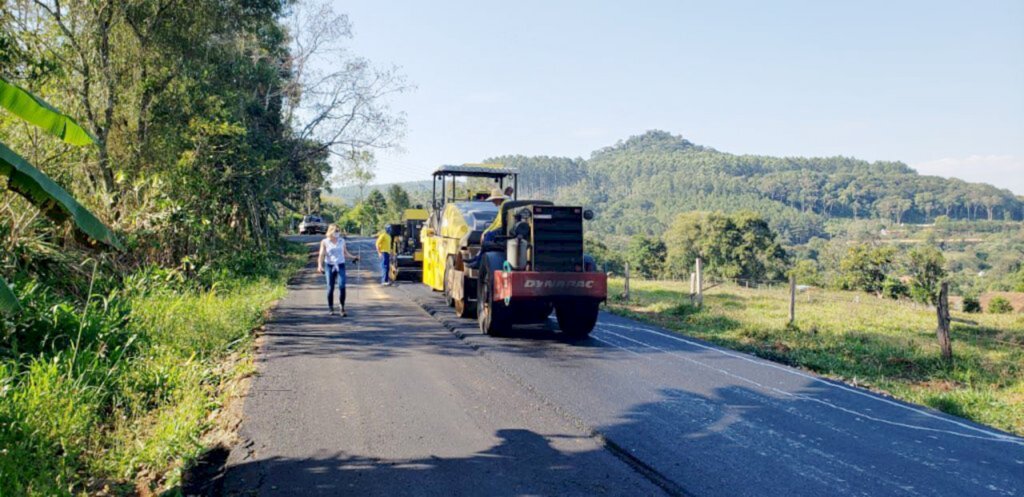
[{"x": 531, "y": 284}]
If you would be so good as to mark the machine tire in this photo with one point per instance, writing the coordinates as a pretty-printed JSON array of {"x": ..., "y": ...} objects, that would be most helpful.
[
  {"x": 449, "y": 264},
  {"x": 577, "y": 318},
  {"x": 493, "y": 319}
]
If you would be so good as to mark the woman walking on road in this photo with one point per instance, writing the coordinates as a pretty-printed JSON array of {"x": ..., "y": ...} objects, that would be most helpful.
[{"x": 332, "y": 260}]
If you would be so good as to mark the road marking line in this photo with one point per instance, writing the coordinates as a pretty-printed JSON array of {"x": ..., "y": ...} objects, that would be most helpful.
[
  {"x": 994, "y": 437},
  {"x": 621, "y": 347}
]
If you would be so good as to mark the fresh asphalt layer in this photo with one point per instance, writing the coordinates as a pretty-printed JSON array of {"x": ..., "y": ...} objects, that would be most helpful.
[{"x": 403, "y": 398}]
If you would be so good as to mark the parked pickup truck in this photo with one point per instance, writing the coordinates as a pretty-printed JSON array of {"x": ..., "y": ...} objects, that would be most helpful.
[{"x": 312, "y": 225}]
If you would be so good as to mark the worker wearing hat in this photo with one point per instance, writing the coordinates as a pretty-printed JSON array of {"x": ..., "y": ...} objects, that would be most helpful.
[
  {"x": 384, "y": 251},
  {"x": 497, "y": 198}
]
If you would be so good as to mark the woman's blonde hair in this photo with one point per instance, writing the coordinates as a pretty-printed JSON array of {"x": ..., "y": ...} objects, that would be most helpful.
[{"x": 332, "y": 229}]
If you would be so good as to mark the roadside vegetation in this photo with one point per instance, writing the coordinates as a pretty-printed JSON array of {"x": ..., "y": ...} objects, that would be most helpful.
[
  {"x": 151, "y": 153},
  {"x": 882, "y": 344},
  {"x": 115, "y": 390}
]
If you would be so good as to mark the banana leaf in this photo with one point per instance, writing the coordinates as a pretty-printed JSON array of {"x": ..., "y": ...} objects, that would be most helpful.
[
  {"x": 56, "y": 203},
  {"x": 8, "y": 302},
  {"x": 36, "y": 111}
]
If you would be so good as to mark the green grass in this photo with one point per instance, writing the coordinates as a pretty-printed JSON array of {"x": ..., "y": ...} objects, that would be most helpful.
[
  {"x": 121, "y": 394},
  {"x": 879, "y": 344}
]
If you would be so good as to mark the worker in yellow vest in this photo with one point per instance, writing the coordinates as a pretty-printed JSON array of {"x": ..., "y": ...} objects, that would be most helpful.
[{"x": 384, "y": 251}]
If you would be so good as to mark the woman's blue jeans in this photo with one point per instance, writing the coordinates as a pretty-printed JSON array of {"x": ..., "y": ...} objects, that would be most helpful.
[{"x": 334, "y": 274}]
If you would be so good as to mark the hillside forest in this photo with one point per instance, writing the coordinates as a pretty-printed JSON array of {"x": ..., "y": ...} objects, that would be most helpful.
[{"x": 647, "y": 189}]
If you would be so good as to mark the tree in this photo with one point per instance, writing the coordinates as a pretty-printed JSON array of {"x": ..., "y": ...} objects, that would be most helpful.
[
  {"x": 606, "y": 259},
  {"x": 337, "y": 99},
  {"x": 926, "y": 202},
  {"x": 806, "y": 272},
  {"x": 372, "y": 211},
  {"x": 926, "y": 267},
  {"x": 646, "y": 256},
  {"x": 865, "y": 267},
  {"x": 741, "y": 245},
  {"x": 398, "y": 202}
]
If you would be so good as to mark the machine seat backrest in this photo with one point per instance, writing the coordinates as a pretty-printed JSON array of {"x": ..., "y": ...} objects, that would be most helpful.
[{"x": 513, "y": 204}]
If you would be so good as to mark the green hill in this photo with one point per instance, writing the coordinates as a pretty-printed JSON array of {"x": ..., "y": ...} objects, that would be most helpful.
[
  {"x": 640, "y": 184},
  {"x": 420, "y": 190}
]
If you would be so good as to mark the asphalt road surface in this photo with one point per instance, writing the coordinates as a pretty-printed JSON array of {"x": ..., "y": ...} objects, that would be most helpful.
[{"x": 402, "y": 398}]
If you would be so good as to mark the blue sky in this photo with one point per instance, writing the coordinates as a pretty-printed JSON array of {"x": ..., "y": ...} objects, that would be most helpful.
[{"x": 938, "y": 85}]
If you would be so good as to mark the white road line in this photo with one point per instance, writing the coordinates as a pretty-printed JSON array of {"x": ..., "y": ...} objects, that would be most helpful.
[
  {"x": 992, "y": 436},
  {"x": 620, "y": 347}
]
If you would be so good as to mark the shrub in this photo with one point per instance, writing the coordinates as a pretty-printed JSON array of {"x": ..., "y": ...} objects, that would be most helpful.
[
  {"x": 894, "y": 289},
  {"x": 971, "y": 304},
  {"x": 999, "y": 305}
]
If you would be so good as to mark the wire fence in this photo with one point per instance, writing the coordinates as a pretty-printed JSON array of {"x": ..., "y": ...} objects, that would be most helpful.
[{"x": 857, "y": 305}]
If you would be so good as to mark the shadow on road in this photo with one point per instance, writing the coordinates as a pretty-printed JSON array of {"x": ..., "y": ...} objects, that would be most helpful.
[
  {"x": 729, "y": 442},
  {"x": 521, "y": 462}
]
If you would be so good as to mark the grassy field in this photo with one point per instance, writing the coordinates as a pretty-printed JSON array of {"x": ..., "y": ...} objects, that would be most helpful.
[
  {"x": 118, "y": 394},
  {"x": 866, "y": 341}
]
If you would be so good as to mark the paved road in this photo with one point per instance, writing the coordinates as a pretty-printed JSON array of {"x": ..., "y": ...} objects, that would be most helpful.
[{"x": 390, "y": 401}]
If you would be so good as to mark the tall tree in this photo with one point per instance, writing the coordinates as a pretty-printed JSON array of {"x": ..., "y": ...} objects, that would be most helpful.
[
  {"x": 398, "y": 201},
  {"x": 926, "y": 267}
]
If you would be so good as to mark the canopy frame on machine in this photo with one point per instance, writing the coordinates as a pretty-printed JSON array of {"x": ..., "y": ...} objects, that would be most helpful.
[{"x": 446, "y": 175}]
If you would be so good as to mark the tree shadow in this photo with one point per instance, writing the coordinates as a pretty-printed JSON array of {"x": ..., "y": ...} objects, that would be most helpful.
[{"x": 727, "y": 441}]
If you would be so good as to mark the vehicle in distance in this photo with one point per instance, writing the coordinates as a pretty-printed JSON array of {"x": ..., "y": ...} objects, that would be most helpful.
[{"x": 311, "y": 225}]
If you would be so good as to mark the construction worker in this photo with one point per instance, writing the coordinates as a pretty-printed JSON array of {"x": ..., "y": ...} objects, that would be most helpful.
[
  {"x": 497, "y": 198},
  {"x": 384, "y": 252}
]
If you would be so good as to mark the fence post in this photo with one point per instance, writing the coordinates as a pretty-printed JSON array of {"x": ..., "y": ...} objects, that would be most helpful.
[
  {"x": 625, "y": 293},
  {"x": 942, "y": 309},
  {"x": 792, "y": 299},
  {"x": 700, "y": 283}
]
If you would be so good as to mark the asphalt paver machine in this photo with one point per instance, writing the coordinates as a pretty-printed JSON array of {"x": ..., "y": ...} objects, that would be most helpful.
[{"x": 406, "y": 247}]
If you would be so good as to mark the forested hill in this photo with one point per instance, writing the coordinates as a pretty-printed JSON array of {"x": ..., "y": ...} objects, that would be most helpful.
[{"x": 640, "y": 184}]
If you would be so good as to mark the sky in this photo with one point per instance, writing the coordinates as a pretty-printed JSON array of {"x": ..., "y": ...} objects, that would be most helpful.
[{"x": 938, "y": 85}]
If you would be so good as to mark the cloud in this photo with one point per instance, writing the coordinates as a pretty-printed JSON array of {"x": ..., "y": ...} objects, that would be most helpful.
[{"x": 1003, "y": 171}]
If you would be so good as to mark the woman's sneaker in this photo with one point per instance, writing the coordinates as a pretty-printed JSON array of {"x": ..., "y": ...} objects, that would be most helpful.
[
  {"x": 344, "y": 314},
  {"x": 333, "y": 312}
]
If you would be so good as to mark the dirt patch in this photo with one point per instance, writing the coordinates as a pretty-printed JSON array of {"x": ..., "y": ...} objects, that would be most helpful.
[
  {"x": 1016, "y": 299},
  {"x": 939, "y": 385}
]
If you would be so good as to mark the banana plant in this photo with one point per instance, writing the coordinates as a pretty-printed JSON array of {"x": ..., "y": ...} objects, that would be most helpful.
[{"x": 31, "y": 183}]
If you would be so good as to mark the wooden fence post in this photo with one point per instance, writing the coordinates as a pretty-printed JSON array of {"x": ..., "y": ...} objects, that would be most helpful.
[
  {"x": 942, "y": 309},
  {"x": 700, "y": 283},
  {"x": 792, "y": 299},
  {"x": 625, "y": 293}
]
